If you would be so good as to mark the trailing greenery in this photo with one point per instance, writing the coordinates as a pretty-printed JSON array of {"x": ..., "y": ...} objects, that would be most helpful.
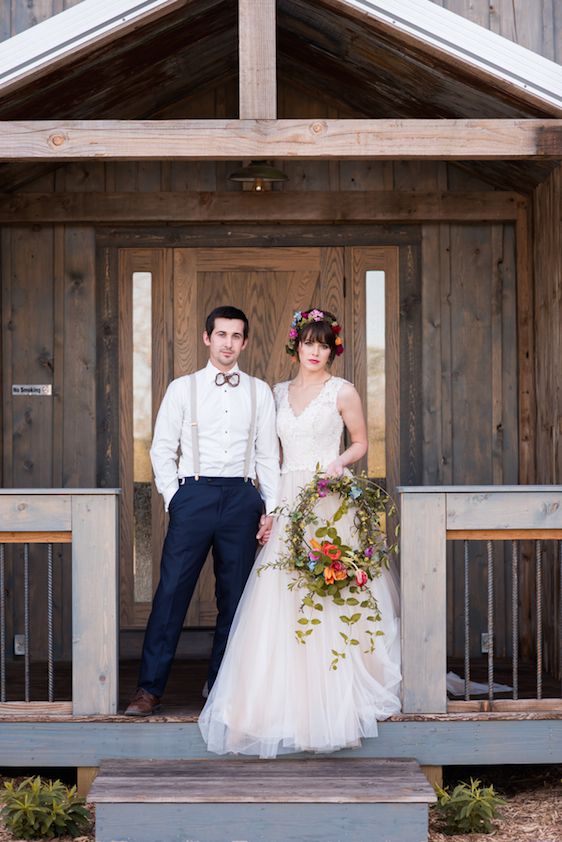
[
  {"x": 469, "y": 808},
  {"x": 38, "y": 809}
]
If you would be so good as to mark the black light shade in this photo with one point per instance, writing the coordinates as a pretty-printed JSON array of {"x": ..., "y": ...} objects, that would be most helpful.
[{"x": 258, "y": 174}]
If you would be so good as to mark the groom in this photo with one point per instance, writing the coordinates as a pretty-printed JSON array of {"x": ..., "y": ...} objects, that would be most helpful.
[{"x": 222, "y": 422}]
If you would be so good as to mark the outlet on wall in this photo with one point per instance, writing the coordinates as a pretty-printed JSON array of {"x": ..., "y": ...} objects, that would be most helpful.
[
  {"x": 485, "y": 643},
  {"x": 19, "y": 644}
]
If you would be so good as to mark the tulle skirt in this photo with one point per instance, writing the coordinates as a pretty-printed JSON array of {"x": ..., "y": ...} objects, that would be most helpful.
[{"x": 274, "y": 695}]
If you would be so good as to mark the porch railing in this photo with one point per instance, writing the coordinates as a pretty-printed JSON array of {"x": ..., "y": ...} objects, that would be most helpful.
[
  {"x": 87, "y": 519},
  {"x": 430, "y": 518}
]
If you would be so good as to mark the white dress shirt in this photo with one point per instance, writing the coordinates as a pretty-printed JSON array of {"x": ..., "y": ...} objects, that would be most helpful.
[{"x": 223, "y": 423}]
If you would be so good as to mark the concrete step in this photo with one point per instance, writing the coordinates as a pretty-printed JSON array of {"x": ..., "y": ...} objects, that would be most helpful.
[{"x": 284, "y": 800}]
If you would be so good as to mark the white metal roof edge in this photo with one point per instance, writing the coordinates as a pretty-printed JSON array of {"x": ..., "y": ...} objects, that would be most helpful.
[
  {"x": 61, "y": 38},
  {"x": 524, "y": 72}
]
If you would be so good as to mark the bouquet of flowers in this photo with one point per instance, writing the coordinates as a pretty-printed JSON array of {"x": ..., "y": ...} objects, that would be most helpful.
[{"x": 324, "y": 566}]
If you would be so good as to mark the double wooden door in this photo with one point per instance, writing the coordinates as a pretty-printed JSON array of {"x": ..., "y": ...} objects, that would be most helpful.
[{"x": 180, "y": 286}]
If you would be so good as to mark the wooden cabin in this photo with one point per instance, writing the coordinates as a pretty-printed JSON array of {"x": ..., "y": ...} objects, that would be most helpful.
[{"x": 422, "y": 143}]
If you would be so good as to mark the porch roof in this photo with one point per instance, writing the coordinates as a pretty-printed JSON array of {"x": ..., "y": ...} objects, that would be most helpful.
[
  {"x": 131, "y": 59},
  {"x": 389, "y": 49}
]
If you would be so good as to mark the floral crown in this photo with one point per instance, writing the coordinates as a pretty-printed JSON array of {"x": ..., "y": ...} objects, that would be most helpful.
[{"x": 303, "y": 318}]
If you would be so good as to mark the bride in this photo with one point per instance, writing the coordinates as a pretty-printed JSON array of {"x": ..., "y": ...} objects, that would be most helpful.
[{"x": 274, "y": 695}]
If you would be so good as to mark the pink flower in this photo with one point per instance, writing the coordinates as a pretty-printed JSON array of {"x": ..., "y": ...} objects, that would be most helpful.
[
  {"x": 361, "y": 578},
  {"x": 293, "y": 333}
]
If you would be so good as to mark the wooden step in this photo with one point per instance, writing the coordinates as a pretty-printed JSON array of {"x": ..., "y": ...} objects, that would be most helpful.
[{"x": 284, "y": 800}]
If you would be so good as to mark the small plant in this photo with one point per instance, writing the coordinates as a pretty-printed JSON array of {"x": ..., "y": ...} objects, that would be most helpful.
[
  {"x": 469, "y": 808},
  {"x": 37, "y": 809}
]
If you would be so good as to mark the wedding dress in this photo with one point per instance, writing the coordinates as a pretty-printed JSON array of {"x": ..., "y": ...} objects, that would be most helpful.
[{"x": 274, "y": 695}]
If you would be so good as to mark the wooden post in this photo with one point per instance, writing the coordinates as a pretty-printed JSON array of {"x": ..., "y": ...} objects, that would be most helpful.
[
  {"x": 85, "y": 776},
  {"x": 257, "y": 59},
  {"x": 95, "y": 621},
  {"x": 423, "y": 602}
]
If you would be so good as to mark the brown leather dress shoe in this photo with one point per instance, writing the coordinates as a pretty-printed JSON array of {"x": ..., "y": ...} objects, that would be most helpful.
[{"x": 143, "y": 704}]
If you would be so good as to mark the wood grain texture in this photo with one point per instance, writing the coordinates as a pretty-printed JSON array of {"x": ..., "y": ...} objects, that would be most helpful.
[
  {"x": 35, "y": 537},
  {"x": 257, "y": 59},
  {"x": 95, "y": 633},
  {"x": 44, "y": 513},
  {"x": 258, "y": 781},
  {"x": 41, "y": 709},
  {"x": 500, "y": 510},
  {"x": 423, "y": 608},
  {"x": 124, "y": 439},
  {"x": 456, "y": 40},
  {"x": 79, "y": 416},
  {"x": 58, "y": 42},
  {"x": 223, "y": 140}
]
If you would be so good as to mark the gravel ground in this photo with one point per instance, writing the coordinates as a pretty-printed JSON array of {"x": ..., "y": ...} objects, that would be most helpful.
[{"x": 533, "y": 812}]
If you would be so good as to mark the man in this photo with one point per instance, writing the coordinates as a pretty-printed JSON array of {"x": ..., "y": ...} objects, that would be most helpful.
[{"x": 223, "y": 423}]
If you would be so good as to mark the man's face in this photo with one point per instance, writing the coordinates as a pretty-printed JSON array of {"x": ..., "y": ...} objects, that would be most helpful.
[{"x": 225, "y": 343}]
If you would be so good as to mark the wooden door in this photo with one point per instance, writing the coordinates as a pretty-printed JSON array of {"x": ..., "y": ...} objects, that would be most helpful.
[{"x": 186, "y": 284}]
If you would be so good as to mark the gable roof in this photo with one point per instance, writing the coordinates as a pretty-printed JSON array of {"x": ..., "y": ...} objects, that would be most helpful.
[{"x": 425, "y": 33}]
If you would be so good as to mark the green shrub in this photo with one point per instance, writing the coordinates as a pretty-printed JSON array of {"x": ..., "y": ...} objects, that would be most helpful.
[
  {"x": 469, "y": 808},
  {"x": 36, "y": 809}
]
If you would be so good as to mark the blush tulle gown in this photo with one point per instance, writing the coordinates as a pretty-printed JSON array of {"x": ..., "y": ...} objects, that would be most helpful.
[{"x": 274, "y": 695}]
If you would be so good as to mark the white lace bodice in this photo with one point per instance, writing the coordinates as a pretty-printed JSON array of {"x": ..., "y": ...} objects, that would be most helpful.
[{"x": 312, "y": 437}]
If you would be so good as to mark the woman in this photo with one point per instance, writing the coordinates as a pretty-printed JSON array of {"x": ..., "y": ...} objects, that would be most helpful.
[{"x": 274, "y": 695}]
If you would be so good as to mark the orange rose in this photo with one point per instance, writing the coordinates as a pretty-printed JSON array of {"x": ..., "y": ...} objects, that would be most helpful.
[
  {"x": 329, "y": 575},
  {"x": 314, "y": 544},
  {"x": 331, "y": 551},
  {"x": 339, "y": 575}
]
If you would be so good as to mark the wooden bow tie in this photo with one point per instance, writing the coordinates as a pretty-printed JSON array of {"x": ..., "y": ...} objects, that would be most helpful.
[{"x": 232, "y": 379}]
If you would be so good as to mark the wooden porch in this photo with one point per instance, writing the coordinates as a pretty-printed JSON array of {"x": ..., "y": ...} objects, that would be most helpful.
[{"x": 88, "y": 727}]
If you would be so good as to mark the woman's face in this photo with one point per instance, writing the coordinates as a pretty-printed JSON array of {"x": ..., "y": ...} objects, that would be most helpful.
[{"x": 313, "y": 355}]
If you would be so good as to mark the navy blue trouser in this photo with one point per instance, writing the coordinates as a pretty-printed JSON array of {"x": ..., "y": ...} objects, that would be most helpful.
[{"x": 218, "y": 512}]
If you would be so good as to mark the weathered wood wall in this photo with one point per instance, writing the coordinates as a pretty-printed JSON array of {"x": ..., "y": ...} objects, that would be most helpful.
[
  {"x": 548, "y": 372},
  {"x": 536, "y": 25}
]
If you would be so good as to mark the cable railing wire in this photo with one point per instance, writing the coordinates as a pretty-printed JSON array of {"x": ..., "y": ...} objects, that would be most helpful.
[
  {"x": 515, "y": 617},
  {"x": 490, "y": 551}
]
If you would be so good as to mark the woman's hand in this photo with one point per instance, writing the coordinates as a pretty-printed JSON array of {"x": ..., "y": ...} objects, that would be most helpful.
[
  {"x": 264, "y": 532},
  {"x": 335, "y": 468}
]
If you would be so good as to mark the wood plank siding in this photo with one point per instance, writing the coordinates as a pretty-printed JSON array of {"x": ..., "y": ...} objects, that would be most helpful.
[{"x": 547, "y": 254}]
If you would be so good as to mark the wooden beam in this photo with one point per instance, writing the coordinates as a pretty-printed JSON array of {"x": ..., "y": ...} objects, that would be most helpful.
[
  {"x": 504, "y": 534},
  {"x": 63, "y": 38},
  {"x": 240, "y": 206},
  {"x": 462, "y": 45},
  {"x": 228, "y": 140},
  {"x": 35, "y": 537},
  {"x": 257, "y": 59}
]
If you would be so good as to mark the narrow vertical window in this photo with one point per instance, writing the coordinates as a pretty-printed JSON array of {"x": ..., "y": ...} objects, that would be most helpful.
[
  {"x": 142, "y": 435},
  {"x": 376, "y": 378}
]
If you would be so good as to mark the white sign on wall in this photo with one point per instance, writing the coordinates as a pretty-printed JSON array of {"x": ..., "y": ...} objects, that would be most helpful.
[{"x": 29, "y": 389}]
